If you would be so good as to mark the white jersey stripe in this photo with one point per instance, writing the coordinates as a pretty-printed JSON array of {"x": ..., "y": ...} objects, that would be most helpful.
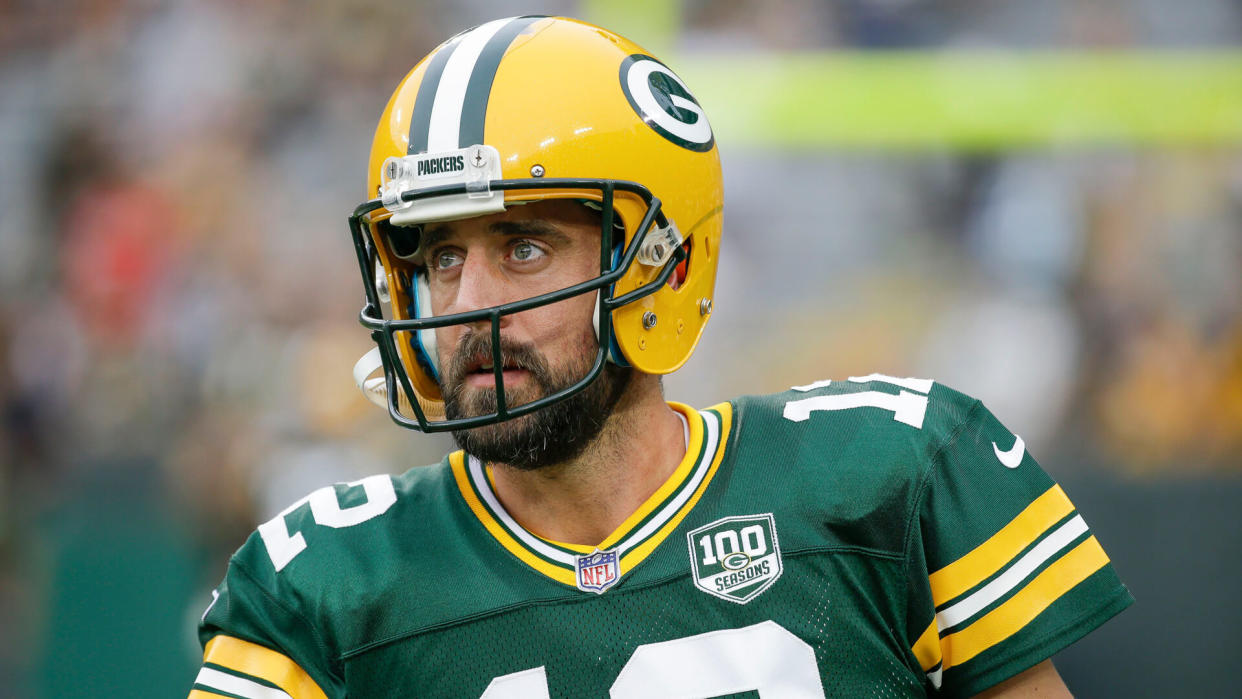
[
  {"x": 533, "y": 542},
  {"x": 711, "y": 439},
  {"x": 451, "y": 92},
  {"x": 1053, "y": 544},
  {"x": 214, "y": 679}
]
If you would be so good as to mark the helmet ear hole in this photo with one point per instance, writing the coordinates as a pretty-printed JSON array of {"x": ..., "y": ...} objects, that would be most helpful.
[{"x": 678, "y": 277}]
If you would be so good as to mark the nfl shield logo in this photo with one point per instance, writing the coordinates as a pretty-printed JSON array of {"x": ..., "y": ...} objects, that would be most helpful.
[{"x": 598, "y": 571}]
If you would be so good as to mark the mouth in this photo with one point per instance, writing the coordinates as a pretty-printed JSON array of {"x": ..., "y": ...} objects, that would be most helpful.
[{"x": 480, "y": 372}]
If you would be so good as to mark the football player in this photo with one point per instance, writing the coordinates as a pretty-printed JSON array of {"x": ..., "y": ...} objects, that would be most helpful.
[{"x": 540, "y": 246}]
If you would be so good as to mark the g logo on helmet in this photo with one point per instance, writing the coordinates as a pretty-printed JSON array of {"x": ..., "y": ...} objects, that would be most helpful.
[{"x": 665, "y": 103}]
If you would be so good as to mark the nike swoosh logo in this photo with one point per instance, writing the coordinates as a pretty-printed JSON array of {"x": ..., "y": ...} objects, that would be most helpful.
[{"x": 1013, "y": 457}]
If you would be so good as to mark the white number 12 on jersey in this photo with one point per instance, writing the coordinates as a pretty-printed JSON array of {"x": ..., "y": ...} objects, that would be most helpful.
[
  {"x": 764, "y": 658},
  {"x": 326, "y": 511}
]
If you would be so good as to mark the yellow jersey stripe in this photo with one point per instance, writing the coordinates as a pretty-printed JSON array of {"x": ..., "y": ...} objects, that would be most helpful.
[
  {"x": 264, "y": 663},
  {"x": 579, "y": 548},
  {"x": 640, "y": 552},
  {"x": 992, "y": 555},
  {"x": 927, "y": 649},
  {"x": 674, "y": 488},
  {"x": 555, "y": 552},
  {"x": 457, "y": 460},
  {"x": 479, "y": 480},
  {"x": 679, "y": 476},
  {"x": 1010, "y": 617},
  {"x": 203, "y": 694}
]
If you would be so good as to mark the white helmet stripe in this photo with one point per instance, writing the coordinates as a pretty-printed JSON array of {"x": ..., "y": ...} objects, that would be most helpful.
[
  {"x": 444, "y": 129},
  {"x": 420, "y": 117},
  {"x": 451, "y": 105}
]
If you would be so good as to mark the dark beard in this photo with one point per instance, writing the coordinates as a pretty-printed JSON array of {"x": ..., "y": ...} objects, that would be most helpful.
[{"x": 550, "y": 435}]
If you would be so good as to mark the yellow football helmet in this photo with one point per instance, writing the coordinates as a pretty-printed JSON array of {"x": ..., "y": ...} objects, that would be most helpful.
[{"x": 524, "y": 109}]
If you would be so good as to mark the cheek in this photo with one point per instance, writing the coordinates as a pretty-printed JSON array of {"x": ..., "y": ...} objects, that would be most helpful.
[
  {"x": 446, "y": 343},
  {"x": 564, "y": 326}
]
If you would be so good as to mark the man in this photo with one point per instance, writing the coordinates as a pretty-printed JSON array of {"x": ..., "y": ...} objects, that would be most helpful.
[{"x": 544, "y": 240}]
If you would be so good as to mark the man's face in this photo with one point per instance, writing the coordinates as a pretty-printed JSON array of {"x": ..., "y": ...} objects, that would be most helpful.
[{"x": 491, "y": 260}]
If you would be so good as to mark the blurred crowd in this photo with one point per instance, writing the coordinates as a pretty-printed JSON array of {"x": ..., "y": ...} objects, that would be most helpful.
[{"x": 178, "y": 291}]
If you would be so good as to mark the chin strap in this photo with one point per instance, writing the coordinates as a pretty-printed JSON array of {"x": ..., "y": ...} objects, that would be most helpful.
[{"x": 371, "y": 385}]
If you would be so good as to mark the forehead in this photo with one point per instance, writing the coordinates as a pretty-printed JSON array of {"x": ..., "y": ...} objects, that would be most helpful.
[{"x": 567, "y": 217}]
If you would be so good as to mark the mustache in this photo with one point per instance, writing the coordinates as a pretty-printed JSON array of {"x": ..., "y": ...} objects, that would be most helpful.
[{"x": 476, "y": 348}]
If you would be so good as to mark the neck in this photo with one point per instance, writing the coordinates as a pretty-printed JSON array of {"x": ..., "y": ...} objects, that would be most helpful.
[{"x": 583, "y": 500}]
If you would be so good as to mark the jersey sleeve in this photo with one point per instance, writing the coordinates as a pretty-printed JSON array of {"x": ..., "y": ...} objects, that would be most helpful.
[
  {"x": 257, "y": 645},
  {"x": 1004, "y": 571}
]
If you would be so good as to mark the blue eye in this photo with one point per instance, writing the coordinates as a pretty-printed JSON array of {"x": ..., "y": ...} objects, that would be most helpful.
[
  {"x": 524, "y": 251},
  {"x": 445, "y": 259}
]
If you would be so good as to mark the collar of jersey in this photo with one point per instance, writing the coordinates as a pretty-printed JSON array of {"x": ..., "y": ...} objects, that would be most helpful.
[{"x": 638, "y": 535}]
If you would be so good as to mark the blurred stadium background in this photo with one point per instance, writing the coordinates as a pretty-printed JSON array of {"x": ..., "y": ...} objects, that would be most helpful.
[{"x": 1039, "y": 203}]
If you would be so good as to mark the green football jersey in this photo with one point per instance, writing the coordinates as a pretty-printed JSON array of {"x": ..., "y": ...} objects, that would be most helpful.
[{"x": 872, "y": 537}]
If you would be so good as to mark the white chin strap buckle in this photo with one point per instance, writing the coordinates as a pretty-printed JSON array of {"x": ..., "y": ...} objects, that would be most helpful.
[{"x": 373, "y": 386}]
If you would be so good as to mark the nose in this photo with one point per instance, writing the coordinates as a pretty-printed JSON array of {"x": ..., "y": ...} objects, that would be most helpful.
[{"x": 481, "y": 285}]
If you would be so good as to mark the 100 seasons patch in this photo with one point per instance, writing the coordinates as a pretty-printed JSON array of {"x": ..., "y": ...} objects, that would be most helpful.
[{"x": 736, "y": 558}]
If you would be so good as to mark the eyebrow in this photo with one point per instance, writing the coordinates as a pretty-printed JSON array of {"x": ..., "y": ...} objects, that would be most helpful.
[{"x": 437, "y": 233}]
